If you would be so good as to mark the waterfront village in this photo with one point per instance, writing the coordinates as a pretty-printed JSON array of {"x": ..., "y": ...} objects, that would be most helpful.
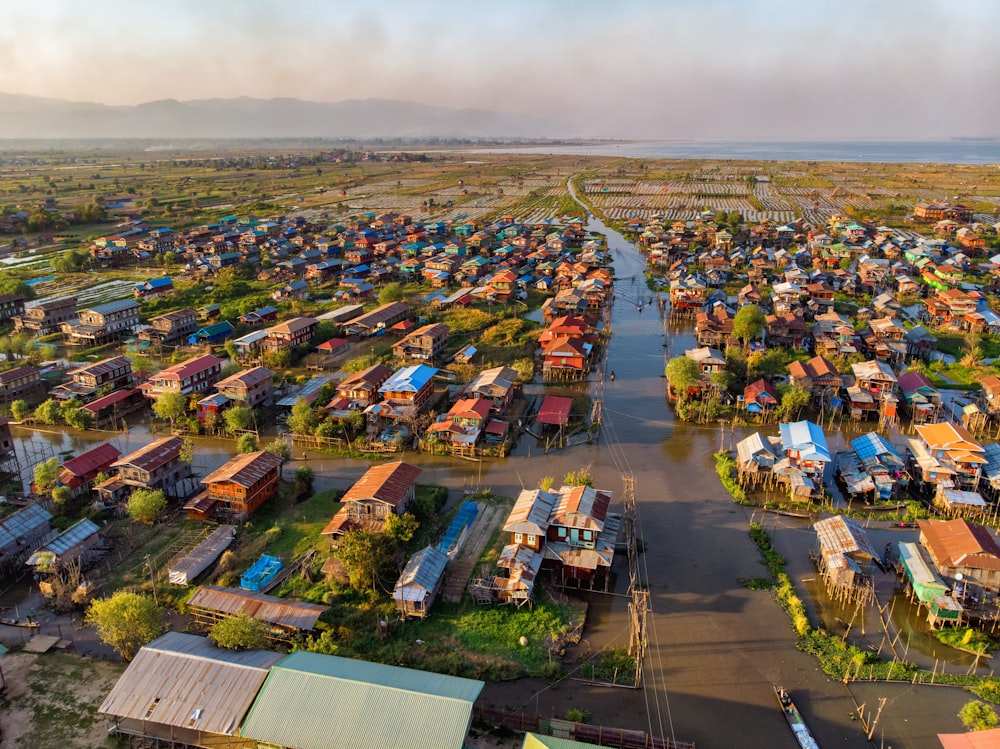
[{"x": 294, "y": 336}]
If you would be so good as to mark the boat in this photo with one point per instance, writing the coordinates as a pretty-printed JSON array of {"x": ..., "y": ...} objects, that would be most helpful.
[{"x": 794, "y": 718}]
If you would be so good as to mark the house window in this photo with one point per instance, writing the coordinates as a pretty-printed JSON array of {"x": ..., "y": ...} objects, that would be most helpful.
[
  {"x": 518, "y": 538},
  {"x": 530, "y": 540}
]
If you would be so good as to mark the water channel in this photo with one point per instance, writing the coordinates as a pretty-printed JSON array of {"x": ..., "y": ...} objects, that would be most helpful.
[{"x": 715, "y": 647}]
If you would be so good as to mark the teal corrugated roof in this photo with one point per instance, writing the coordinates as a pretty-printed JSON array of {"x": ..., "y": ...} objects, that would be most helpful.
[{"x": 375, "y": 706}]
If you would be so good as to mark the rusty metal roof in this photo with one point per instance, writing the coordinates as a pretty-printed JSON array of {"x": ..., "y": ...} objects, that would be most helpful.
[
  {"x": 387, "y": 483},
  {"x": 247, "y": 378},
  {"x": 530, "y": 513},
  {"x": 277, "y": 611},
  {"x": 245, "y": 470},
  {"x": 183, "y": 680},
  {"x": 153, "y": 455},
  {"x": 844, "y": 536},
  {"x": 581, "y": 507},
  {"x": 959, "y": 543}
]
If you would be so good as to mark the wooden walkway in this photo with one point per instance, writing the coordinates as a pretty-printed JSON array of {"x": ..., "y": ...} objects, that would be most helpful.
[{"x": 462, "y": 567}]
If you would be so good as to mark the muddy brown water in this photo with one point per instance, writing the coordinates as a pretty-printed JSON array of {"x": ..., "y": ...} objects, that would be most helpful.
[{"x": 715, "y": 648}]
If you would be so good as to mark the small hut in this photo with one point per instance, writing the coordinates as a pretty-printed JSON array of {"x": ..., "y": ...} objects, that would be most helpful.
[
  {"x": 844, "y": 559},
  {"x": 420, "y": 582}
]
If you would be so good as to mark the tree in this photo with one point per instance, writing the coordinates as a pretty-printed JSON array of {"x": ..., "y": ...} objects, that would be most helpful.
[
  {"x": 279, "y": 448},
  {"x": 170, "y": 406},
  {"x": 47, "y": 475},
  {"x": 186, "y": 454},
  {"x": 401, "y": 527},
  {"x": 61, "y": 495},
  {"x": 579, "y": 477},
  {"x": 75, "y": 416},
  {"x": 247, "y": 443},
  {"x": 146, "y": 505},
  {"x": 391, "y": 292},
  {"x": 20, "y": 410},
  {"x": 302, "y": 419},
  {"x": 238, "y": 418},
  {"x": 978, "y": 716},
  {"x": 546, "y": 482},
  {"x": 47, "y": 412},
  {"x": 239, "y": 632},
  {"x": 126, "y": 621},
  {"x": 366, "y": 556},
  {"x": 682, "y": 373},
  {"x": 749, "y": 323},
  {"x": 793, "y": 400},
  {"x": 303, "y": 480}
]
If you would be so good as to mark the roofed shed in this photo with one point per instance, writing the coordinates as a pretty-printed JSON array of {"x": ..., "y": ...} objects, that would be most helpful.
[
  {"x": 369, "y": 705},
  {"x": 182, "y": 688},
  {"x": 210, "y": 603}
]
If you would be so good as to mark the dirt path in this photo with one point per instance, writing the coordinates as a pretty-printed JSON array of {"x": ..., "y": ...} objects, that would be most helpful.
[
  {"x": 51, "y": 700},
  {"x": 462, "y": 567}
]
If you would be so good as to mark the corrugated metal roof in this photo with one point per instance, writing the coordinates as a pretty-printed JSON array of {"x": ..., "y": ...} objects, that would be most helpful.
[
  {"x": 245, "y": 470},
  {"x": 112, "y": 307},
  {"x": 202, "y": 555},
  {"x": 184, "y": 680},
  {"x": 377, "y": 706},
  {"x": 424, "y": 569},
  {"x": 153, "y": 455},
  {"x": 844, "y": 536},
  {"x": 22, "y": 523},
  {"x": 97, "y": 458},
  {"x": 387, "y": 483},
  {"x": 69, "y": 538},
  {"x": 258, "y": 605},
  {"x": 959, "y": 543},
  {"x": 531, "y": 511}
]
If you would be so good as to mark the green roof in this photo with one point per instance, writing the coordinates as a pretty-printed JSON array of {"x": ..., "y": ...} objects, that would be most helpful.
[
  {"x": 371, "y": 705},
  {"x": 537, "y": 741}
]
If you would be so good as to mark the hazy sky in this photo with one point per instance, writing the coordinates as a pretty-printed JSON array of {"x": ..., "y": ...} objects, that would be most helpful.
[{"x": 650, "y": 68}]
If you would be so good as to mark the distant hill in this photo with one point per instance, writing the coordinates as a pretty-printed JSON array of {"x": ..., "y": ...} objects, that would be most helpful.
[{"x": 33, "y": 117}]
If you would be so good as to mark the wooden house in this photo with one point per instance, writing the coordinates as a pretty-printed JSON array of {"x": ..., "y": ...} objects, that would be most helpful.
[
  {"x": 804, "y": 444},
  {"x": 47, "y": 317},
  {"x": 946, "y": 452},
  {"x": 102, "y": 323},
  {"x": 426, "y": 343},
  {"x": 566, "y": 359},
  {"x": 74, "y": 545},
  {"x": 236, "y": 490},
  {"x": 20, "y": 383},
  {"x": 960, "y": 547},
  {"x": 760, "y": 397},
  {"x": 251, "y": 387},
  {"x": 195, "y": 375},
  {"x": 361, "y": 389},
  {"x": 419, "y": 583},
  {"x": 170, "y": 327},
  {"x": 91, "y": 380},
  {"x": 77, "y": 473},
  {"x": 817, "y": 375},
  {"x": 157, "y": 465},
  {"x": 379, "y": 319},
  {"x": 496, "y": 385},
  {"x": 408, "y": 391},
  {"x": 290, "y": 334},
  {"x": 20, "y": 534},
  {"x": 11, "y": 306},
  {"x": 387, "y": 489},
  {"x": 154, "y": 288}
]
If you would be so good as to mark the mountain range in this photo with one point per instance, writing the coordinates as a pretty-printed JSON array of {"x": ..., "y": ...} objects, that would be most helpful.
[{"x": 24, "y": 116}]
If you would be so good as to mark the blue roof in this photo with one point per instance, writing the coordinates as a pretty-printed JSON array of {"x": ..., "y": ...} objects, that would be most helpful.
[
  {"x": 872, "y": 445},
  {"x": 806, "y": 438},
  {"x": 158, "y": 283},
  {"x": 409, "y": 379}
]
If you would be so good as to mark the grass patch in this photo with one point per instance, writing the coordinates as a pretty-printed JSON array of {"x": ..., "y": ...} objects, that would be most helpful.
[{"x": 968, "y": 639}]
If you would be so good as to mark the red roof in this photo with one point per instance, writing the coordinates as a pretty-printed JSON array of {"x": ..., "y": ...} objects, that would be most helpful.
[
  {"x": 332, "y": 345},
  {"x": 554, "y": 410},
  {"x": 189, "y": 368},
  {"x": 109, "y": 400},
  {"x": 87, "y": 465}
]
